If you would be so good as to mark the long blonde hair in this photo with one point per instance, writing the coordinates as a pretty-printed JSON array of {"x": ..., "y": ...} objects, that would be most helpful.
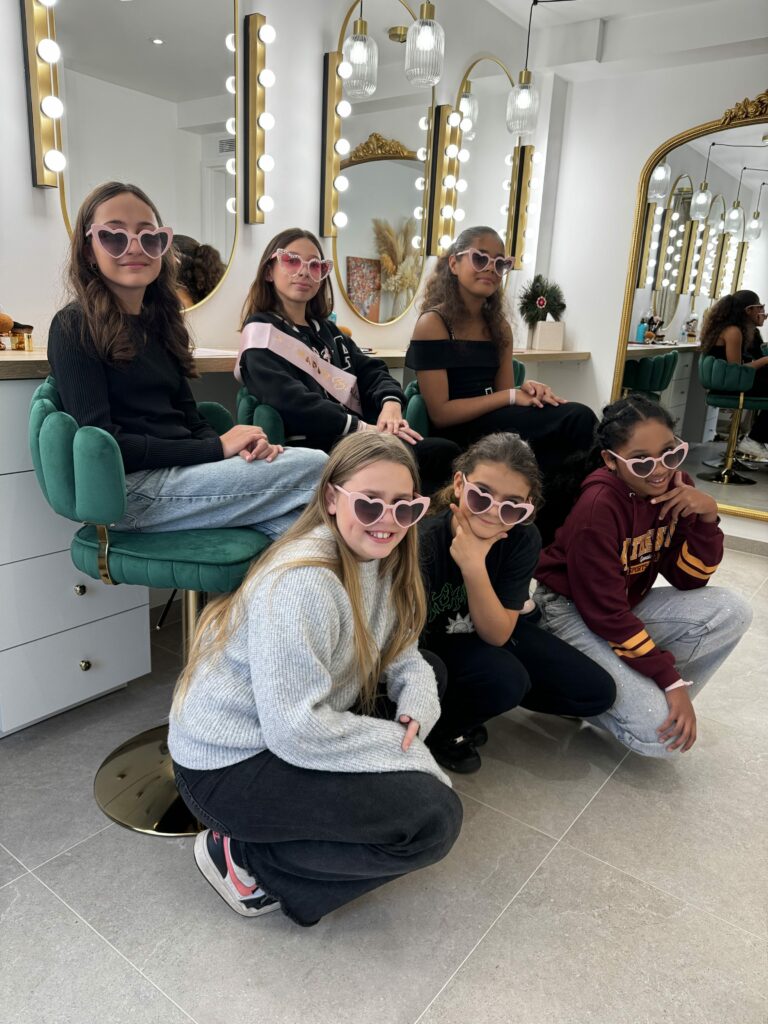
[{"x": 219, "y": 619}]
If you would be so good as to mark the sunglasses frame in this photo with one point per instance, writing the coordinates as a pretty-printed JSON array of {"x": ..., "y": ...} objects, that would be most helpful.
[
  {"x": 93, "y": 234},
  {"x": 656, "y": 461},
  {"x": 354, "y": 496},
  {"x": 278, "y": 253},
  {"x": 470, "y": 488},
  {"x": 506, "y": 261}
]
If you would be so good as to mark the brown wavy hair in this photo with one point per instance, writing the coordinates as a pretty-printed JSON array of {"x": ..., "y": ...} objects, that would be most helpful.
[
  {"x": 505, "y": 448},
  {"x": 441, "y": 291},
  {"x": 731, "y": 311},
  {"x": 200, "y": 266},
  {"x": 262, "y": 296},
  {"x": 220, "y": 617},
  {"x": 105, "y": 325}
]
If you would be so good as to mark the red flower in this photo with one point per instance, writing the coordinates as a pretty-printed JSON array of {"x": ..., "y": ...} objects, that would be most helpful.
[{"x": 541, "y": 302}]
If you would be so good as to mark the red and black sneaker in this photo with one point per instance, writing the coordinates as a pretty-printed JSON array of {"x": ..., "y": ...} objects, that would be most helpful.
[{"x": 232, "y": 882}]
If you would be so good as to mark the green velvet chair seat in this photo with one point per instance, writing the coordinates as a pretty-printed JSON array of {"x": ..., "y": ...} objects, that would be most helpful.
[
  {"x": 214, "y": 561},
  {"x": 650, "y": 375},
  {"x": 732, "y": 402}
]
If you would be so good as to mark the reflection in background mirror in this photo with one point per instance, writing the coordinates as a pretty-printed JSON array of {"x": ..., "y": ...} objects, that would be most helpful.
[
  {"x": 379, "y": 250},
  {"x": 717, "y": 256},
  {"x": 149, "y": 99}
]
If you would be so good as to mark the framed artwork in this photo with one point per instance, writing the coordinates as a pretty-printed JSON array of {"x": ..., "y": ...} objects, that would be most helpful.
[{"x": 364, "y": 285}]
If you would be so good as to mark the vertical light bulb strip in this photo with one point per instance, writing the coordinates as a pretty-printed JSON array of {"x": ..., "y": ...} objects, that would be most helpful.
[
  {"x": 719, "y": 265},
  {"x": 258, "y": 121},
  {"x": 42, "y": 77},
  {"x": 742, "y": 248},
  {"x": 644, "y": 266},
  {"x": 331, "y": 162},
  {"x": 687, "y": 250},
  {"x": 697, "y": 281},
  {"x": 519, "y": 198},
  {"x": 662, "y": 255},
  {"x": 438, "y": 170}
]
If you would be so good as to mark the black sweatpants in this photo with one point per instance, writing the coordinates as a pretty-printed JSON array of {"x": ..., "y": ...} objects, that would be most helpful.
[
  {"x": 316, "y": 840},
  {"x": 534, "y": 669}
]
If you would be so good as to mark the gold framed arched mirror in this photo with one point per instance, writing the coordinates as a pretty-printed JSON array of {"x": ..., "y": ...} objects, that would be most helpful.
[{"x": 718, "y": 255}]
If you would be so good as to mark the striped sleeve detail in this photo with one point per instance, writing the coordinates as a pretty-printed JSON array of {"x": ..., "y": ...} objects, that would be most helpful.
[
  {"x": 692, "y": 565},
  {"x": 635, "y": 647}
]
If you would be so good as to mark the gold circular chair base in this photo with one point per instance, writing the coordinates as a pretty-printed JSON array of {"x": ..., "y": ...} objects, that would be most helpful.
[{"x": 135, "y": 787}]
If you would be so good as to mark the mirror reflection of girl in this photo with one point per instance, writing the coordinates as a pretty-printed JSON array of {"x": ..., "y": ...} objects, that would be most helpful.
[
  {"x": 461, "y": 351},
  {"x": 638, "y": 515},
  {"x": 298, "y": 726},
  {"x": 731, "y": 331},
  {"x": 292, "y": 291},
  {"x": 122, "y": 360},
  {"x": 479, "y": 553},
  {"x": 200, "y": 268}
]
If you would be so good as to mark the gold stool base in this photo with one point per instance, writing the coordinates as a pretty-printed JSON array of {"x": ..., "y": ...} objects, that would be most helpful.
[{"x": 135, "y": 787}]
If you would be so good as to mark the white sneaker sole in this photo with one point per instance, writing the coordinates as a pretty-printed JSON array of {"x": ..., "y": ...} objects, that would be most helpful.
[{"x": 210, "y": 873}]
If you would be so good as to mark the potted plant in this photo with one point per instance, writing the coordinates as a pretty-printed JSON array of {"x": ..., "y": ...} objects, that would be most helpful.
[{"x": 539, "y": 300}]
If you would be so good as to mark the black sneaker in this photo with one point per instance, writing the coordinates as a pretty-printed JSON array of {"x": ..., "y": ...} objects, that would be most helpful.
[
  {"x": 457, "y": 755},
  {"x": 233, "y": 883},
  {"x": 478, "y": 736}
]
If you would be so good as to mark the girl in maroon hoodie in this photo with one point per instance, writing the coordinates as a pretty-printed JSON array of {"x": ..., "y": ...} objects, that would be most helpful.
[{"x": 639, "y": 515}]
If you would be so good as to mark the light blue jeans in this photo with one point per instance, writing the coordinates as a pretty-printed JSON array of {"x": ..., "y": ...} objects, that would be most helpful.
[
  {"x": 699, "y": 628},
  {"x": 266, "y": 496}
]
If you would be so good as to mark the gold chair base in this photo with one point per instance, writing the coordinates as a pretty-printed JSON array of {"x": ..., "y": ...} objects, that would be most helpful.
[
  {"x": 135, "y": 787},
  {"x": 725, "y": 476}
]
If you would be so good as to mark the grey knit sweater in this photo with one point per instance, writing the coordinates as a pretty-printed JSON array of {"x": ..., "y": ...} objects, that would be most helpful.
[{"x": 288, "y": 678}]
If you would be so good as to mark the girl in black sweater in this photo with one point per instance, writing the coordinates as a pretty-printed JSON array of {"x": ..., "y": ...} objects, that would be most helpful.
[
  {"x": 292, "y": 291},
  {"x": 122, "y": 359}
]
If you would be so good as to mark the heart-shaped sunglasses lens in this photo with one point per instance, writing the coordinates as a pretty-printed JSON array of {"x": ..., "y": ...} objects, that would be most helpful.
[
  {"x": 675, "y": 458},
  {"x": 154, "y": 243},
  {"x": 477, "y": 502},
  {"x": 114, "y": 243},
  {"x": 368, "y": 510},
  {"x": 511, "y": 514}
]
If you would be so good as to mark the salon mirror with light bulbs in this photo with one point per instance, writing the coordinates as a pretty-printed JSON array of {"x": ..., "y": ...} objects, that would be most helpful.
[
  {"x": 147, "y": 96},
  {"x": 376, "y": 154},
  {"x": 699, "y": 235}
]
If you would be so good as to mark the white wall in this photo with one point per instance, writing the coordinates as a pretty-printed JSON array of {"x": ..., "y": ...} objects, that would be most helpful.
[{"x": 611, "y": 128}]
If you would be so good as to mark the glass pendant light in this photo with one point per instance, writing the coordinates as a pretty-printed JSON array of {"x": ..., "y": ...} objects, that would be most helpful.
[
  {"x": 362, "y": 53},
  {"x": 424, "y": 48},
  {"x": 734, "y": 222},
  {"x": 658, "y": 187},
  {"x": 701, "y": 202},
  {"x": 470, "y": 111},
  {"x": 522, "y": 106},
  {"x": 754, "y": 228}
]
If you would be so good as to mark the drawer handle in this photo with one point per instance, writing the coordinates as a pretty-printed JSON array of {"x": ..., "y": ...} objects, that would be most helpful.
[
  {"x": 85, "y": 665},
  {"x": 80, "y": 589}
]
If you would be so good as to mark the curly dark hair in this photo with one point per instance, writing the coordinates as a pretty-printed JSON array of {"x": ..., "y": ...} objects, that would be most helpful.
[
  {"x": 504, "y": 447},
  {"x": 200, "y": 266},
  {"x": 441, "y": 291},
  {"x": 731, "y": 311}
]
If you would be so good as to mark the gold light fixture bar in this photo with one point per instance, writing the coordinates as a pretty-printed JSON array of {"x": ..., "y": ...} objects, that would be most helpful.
[
  {"x": 42, "y": 83},
  {"x": 701, "y": 266},
  {"x": 718, "y": 268},
  {"x": 662, "y": 256},
  {"x": 257, "y": 34},
  {"x": 645, "y": 250},
  {"x": 519, "y": 195},
  {"x": 690, "y": 233},
  {"x": 439, "y": 169},
  {"x": 329, "y": 170},
  {"x": 741, "y": 262}
]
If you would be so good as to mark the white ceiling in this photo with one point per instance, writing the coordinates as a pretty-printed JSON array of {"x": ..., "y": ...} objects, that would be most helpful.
[
  {"x": 567, "y": 12},
  {"x": 732, "y": 160}
]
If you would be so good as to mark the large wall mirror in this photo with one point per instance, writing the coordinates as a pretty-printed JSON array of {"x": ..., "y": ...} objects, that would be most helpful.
[
  {"x": 699, "y": 236},
  {"x": 149, "y": 97},
  {"x": 381, "y": 191}
]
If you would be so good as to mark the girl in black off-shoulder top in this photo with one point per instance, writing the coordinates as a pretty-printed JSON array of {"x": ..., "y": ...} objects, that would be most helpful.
[{"x": 462, "y": 354}]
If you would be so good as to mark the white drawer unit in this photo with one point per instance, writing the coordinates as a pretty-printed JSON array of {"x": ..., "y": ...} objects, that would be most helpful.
[
  {"x": 64, "y": 637},
  {"x": 60, "y": 671}
]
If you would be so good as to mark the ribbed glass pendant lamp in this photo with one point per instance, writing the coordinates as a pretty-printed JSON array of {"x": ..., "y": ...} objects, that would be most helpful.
[
  {"x": 754, "y": 228},
  {"x": 523, "y": 100},
  {"x": 362, "y": 53},
  {"x": 425, "y": 48},
  {"x": 661, "y": 179}
]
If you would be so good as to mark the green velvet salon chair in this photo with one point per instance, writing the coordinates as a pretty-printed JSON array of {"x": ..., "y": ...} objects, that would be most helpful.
[
  {"x": 649, "y": 375},
  {"x": 727, "y": 386},
  {"x": 80, "y": 472},
  {"x": 416, "y": 408}
]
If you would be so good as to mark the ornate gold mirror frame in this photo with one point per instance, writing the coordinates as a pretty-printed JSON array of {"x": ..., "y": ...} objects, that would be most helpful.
[{"x": 746, "y": 112}]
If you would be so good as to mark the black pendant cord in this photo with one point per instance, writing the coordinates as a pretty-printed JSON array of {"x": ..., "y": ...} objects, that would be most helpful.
[{"x": 535, "y": 3}]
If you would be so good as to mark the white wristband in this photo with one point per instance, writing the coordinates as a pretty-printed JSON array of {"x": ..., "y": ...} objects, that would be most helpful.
[
  {"x": 676, "y": 686},
  {"x": 512, "y": 396}
]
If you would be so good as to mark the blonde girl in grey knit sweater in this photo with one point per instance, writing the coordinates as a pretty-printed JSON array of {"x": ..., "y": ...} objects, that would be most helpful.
[{"x": 297, "y": 728}]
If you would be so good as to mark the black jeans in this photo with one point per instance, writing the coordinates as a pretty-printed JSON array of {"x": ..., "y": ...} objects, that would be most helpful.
[
  {"x": 316, "y": 840},
  {"x": 533, "y": 669}
]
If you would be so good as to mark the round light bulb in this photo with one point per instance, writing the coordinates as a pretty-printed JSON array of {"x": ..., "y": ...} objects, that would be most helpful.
[
  {"x": 677, "y": 257},
  {"x": 526, "y": 257},
  {"x": 445, "y": 241},
  {"x": 229, "y": 42},
  {"x": 266, "y": 121},
  {"x": 451, "y": 151},
  {"x": 461, "y": 185},
  {"x": 538, "y": 158},
  {"x": 449, "y": 181},
  {"x": 267, "y": 78},
  {"x": 675, "y": 216},
  {"x": 266, "y": 203},
  {"x": 656, "y": 229},
  {"x": 454, "y": 119},
  {"x": 654, "y": 246},
  {"x": 648, "y": 281},
  {"x": 49, "y": 51},
  {"x": 342, "y": 147},
  {"x": 420, "y": 184},
  {"x": 503, "y": 210},
  {"x": 266, "y": 162},
  {"x": 231, "y": 205},
  {"x": 47, "y": 3},
  {"x": 231, "y": 125},
  {"x": 267, "y": 34},
  {"x": 506, "y": 184},
  {"x": 675, "y": 273},
  {"x": 459, "y": 215},
  {"x": 673, "y": 232},
  {"x": 508, "y": 159},
  {"x": 424, "y": 125},
  {"x": 466, "y": 124},
  {"x": 447, "y": 211},
  {"x": 416, "y": 241},
  {"x": 52, "y": 107},
  {"x": 651, "y": 263},
  {"x": 670, "y": 249},
  {"x": 463, "y": 156},
  {"x": 343, "y": 108},
  {"x": 344, "y": 70},
  {"x": 421, "y": 153},
  {"x": 665, "y": 283},
  {"x": 340, "y": 219},
  {"x": 418, "y": 212},
  {"x": 55, "y": 161},
  {"x": 659, "y": 173},
  {"x": 231, "y": 86},
  {"x": 231, "y": 165},
  {"x": 341, "y": 183},
  {"x": 667, "y": 266}
]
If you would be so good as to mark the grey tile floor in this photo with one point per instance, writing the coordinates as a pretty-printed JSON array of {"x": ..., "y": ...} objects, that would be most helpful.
[{"x": 588, "y": 886}]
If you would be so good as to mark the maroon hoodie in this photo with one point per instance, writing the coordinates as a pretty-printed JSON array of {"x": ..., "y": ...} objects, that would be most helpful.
[{"x": 607, "y": 554}]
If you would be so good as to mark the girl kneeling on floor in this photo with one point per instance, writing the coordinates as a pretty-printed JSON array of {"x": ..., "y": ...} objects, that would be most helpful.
[
  {"x": 637, "y": 516},
  {"x": 479, "y": 552},
  {"x": 297, "y": 728}
]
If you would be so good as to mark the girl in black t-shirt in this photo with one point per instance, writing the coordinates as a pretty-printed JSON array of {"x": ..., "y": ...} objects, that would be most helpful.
[
  {"x": 479, "y": 552},
  {"x": 292, "y": 291}
]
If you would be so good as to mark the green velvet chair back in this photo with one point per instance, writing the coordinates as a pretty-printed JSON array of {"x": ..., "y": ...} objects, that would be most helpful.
[
  {"x": 720, "y": 375},
  {"x": 255, "y": 413},
  {"x": 650, "y": 375}
]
